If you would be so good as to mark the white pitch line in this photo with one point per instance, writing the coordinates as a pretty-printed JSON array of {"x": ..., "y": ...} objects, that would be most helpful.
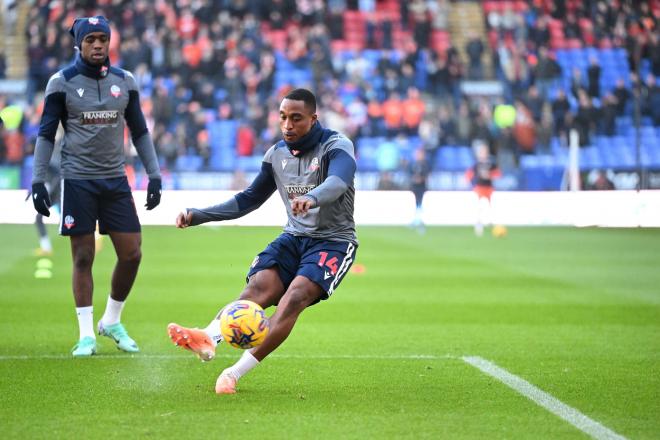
[
  {"x": 545, "y": 400},
  {"x": 227, "y": 356}
]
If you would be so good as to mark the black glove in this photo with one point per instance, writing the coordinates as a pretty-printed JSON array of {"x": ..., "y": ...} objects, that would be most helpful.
[
  {"x": 153, "y": 194},
  {"x": 41, "y": 199}
]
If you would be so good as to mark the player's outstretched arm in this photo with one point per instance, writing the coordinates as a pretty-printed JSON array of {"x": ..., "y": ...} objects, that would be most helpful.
[
  {"x": 241, "y": 204},
  {"x": 184, "y": 219}
]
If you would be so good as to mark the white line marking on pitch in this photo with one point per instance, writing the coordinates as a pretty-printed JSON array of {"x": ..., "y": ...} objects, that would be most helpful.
[
  {"x": 541, "y": 398},
  {"x": 226, "y": 356}
]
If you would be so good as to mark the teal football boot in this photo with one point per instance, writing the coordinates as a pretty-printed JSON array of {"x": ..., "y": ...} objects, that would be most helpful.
[
  {"x": 118, "y": 333},
  {"x": 85, "y": 347}
]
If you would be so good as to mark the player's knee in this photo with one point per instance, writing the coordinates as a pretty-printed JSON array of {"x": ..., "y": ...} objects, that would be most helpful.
[
  {"x": 299, "y": 297},
  {"x": 132, "y": 256},
  {"x": 263, "y": 296},
  {"x": 83, "y": 258}
]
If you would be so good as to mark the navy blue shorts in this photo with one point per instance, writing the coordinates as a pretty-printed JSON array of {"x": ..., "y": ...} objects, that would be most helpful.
[
  {"x": 322, "y": 261},
  {"x": 109, "y": 201}
]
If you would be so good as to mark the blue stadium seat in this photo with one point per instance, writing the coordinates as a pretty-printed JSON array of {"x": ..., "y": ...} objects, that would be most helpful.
[
  {"x": 446, "y": 158},
  {"x": 222, "y": 159},
  {"x": 249, "y": 163},
  {"x": 465, "y": 158},
  {"x": 367, "y": 153},
  {"x": 189, "y": 162}
]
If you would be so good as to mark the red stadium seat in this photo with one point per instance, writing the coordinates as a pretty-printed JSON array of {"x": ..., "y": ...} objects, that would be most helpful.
[
  {"x": 277, "y": 39},
  {"x": 574, "y": 43}
]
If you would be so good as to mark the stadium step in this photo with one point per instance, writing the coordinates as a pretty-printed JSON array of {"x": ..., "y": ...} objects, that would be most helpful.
[
  {"x": 15, "y": 42},
  {"x": 467, "y": 18}
]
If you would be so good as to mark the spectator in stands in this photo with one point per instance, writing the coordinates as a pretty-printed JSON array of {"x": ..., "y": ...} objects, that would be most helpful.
[
  {"x": 391, "y": 81},
  {"x": 356, "y": 112},
  {"x": 439, "y": 10},
  {"x": 376, "y": 124},
  {"x": 608, "y": 115},
  {"x": 514, "y": 69},
  {"x": 406, "y": 79},
  {"x": 393, "y": 114},
  {"x": 524, "y": 129},
  {"x": 474, "y": 49},
  {"x": 334, "y": 115},
  {"x": 585, "y": 119},
  {"x": 652, "y": 52},
  {"x": 464, "y": 124},
  {"x": 650, "y": 99},
  {"x": 334, "y": 18},
  {"x": 447, "y": 127},
  {"x": 571, "y": 27},
  {"x": 539, "y": 32},
  {"x": 437, "y": 75},
  {"x": 3, "y": 65},
  {"x": 622, "y": 95},
  {"x": 296, "y": 48},
  {"x": 546, "y": 72},
  {"x": 544, "y": 130},
  {"x": 168, "y": 148},
  {"x": 577, "y": 82},
  {"x": 429, "y": 134},
  {"x": 455, "y": 69},
  {"x": 321, "y": 64},
  {"x": 593, "y": 77},
  {"x": 245, "y": 140},
  {"x": 560, "y": 113},
  {"x": 421, "y": 25},
  {"x": 413, "y": 108},
  {"x": 502, "y": 22},
  {"x": 534, "y": 102},
  {"x": 481, "y": 129}
]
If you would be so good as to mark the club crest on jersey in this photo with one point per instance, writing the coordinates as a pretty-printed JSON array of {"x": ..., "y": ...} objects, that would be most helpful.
[
  {"x": 115, "y": 91},
  {"x": 284, "y": 161},
  {"x": 80, "y": 92},
  {"x": 69, "y": 222},
  {"x": 314, "y": 165}
]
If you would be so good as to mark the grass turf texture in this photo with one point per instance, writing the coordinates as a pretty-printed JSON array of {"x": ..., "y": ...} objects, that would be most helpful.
[{"x": 575, "y": 312}]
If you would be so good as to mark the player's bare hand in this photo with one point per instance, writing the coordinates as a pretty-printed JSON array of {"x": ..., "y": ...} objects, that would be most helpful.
[
  {"x": 300, "y": 205},
  {"x": 184, "y": 219}
]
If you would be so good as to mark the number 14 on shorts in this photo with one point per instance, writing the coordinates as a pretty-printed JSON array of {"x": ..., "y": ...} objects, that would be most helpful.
[{"x": 330, "y": 264}]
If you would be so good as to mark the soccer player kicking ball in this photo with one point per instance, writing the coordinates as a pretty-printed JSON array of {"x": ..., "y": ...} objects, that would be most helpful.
[{"x": 312, "y": 168}]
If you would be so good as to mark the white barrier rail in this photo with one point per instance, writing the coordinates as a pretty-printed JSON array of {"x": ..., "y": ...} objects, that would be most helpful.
[{"x": 583, "y": 208}]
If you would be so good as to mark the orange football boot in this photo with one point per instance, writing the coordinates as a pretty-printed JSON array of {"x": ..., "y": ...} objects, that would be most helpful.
[{"x": 193, "y": 339}]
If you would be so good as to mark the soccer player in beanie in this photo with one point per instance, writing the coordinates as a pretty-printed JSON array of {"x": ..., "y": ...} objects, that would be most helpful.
[
  {"x": 92, "y": 99},
  {"x": 313, "y": 169}
]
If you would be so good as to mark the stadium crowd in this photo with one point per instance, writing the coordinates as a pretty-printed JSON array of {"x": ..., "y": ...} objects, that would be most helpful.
[{"x": 386, "y": 74}]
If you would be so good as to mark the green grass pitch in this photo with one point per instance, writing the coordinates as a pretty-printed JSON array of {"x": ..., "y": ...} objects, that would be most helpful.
[{"x": 576, "y": 312}]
